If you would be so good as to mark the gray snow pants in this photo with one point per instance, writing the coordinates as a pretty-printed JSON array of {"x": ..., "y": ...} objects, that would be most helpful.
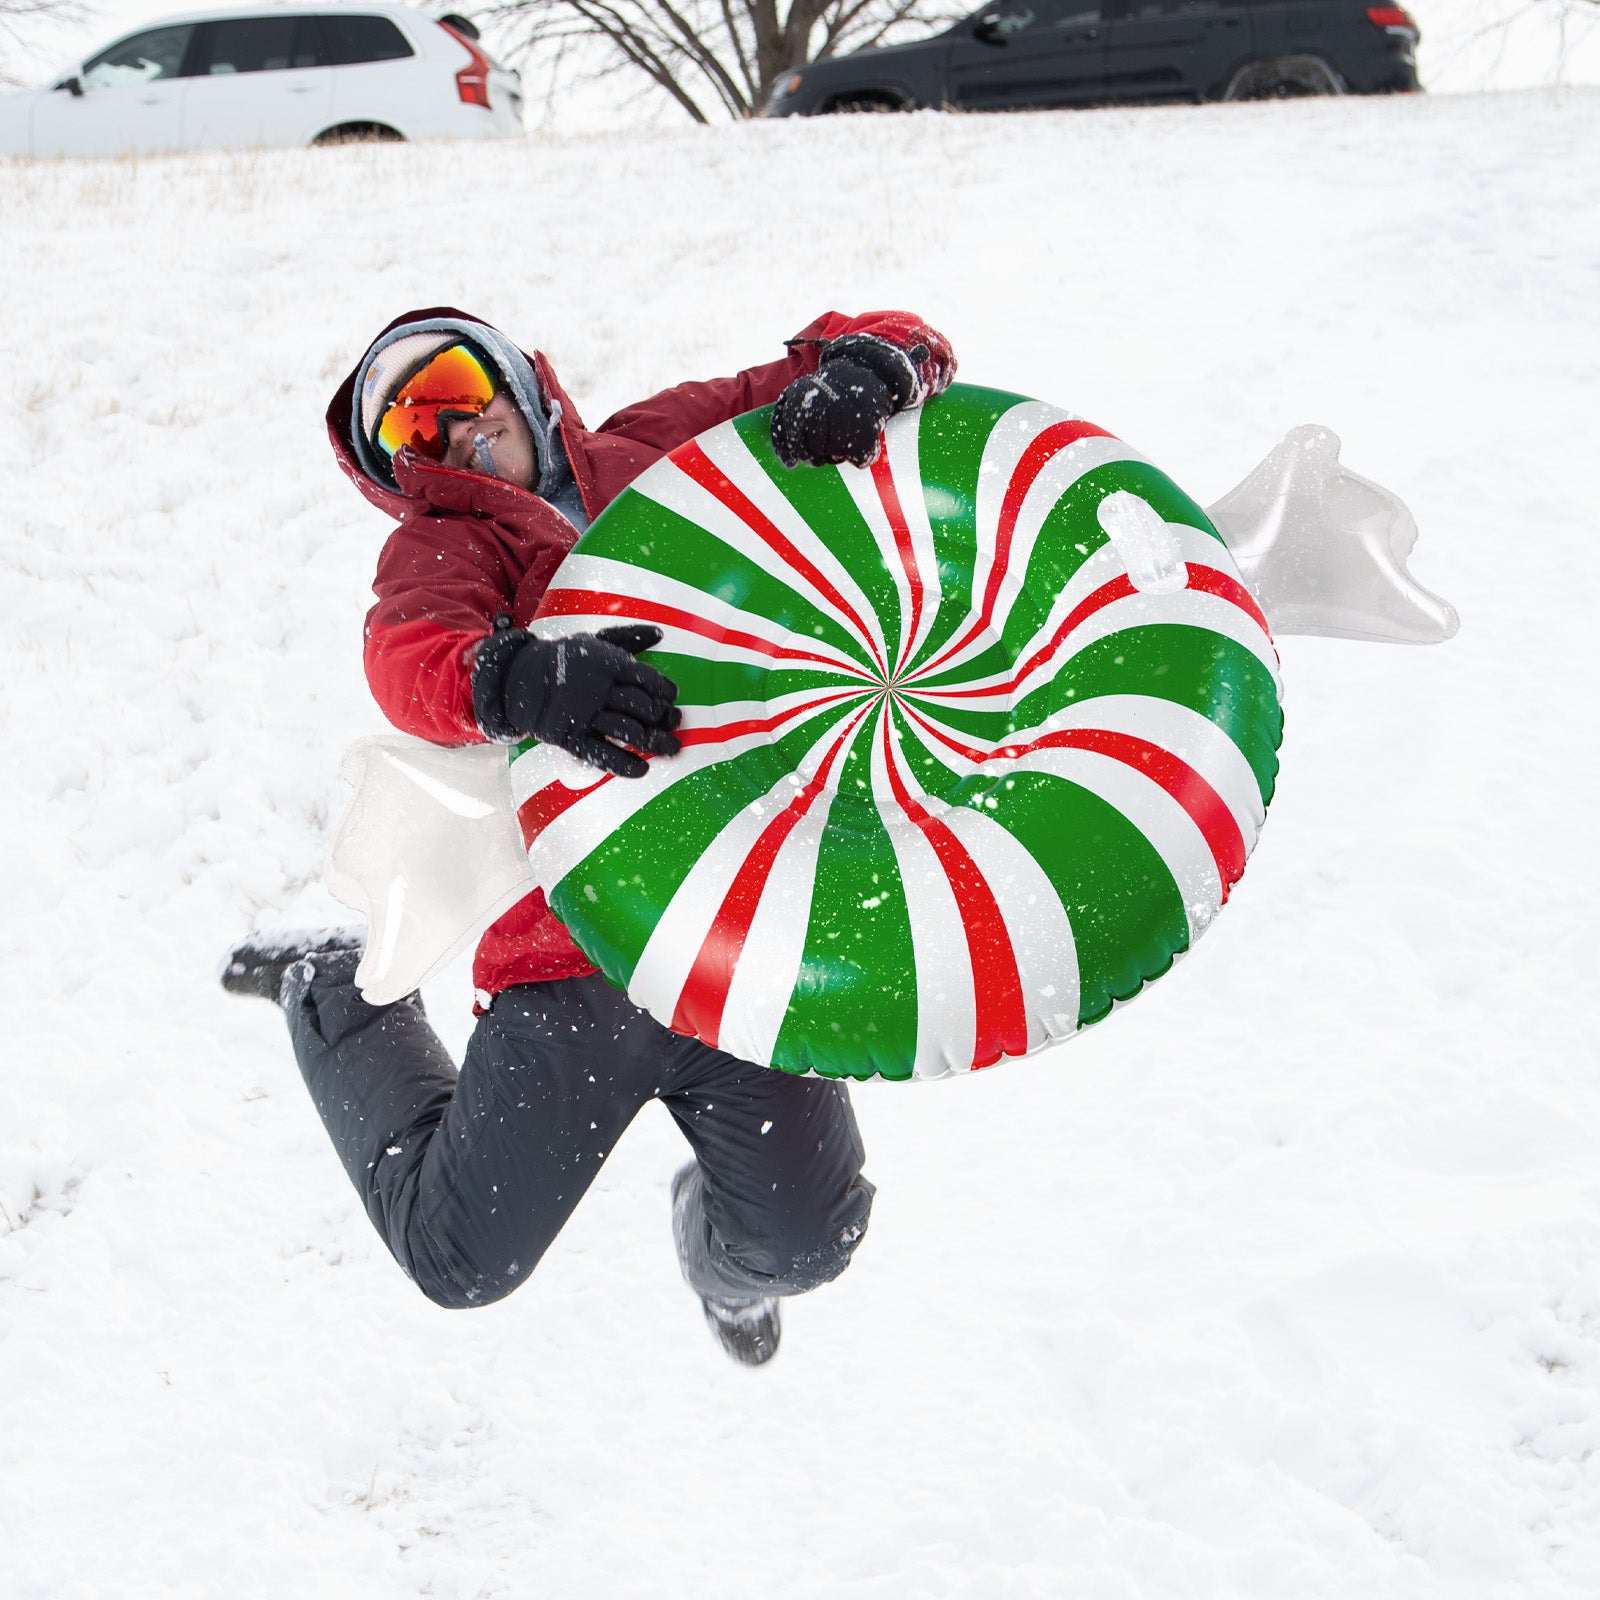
[{"x": 468, "y": 1178}]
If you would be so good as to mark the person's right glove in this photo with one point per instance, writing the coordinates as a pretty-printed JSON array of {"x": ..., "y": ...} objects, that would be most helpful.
[
  {"x": 837, "y": 413},
  {"x": 585, "y": 693}
]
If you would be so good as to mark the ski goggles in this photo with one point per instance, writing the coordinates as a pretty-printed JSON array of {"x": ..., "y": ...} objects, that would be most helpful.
[{"x": 451, "y": 385}]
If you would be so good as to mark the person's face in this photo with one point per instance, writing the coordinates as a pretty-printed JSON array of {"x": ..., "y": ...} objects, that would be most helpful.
[{"x": 508, "y": 435}]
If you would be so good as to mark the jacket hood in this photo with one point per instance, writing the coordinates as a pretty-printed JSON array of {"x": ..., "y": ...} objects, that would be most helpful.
[{"x": 526, "y": 379}]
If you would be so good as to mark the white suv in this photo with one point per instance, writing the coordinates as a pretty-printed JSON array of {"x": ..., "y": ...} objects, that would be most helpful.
[{"x": 225, "y": 80}]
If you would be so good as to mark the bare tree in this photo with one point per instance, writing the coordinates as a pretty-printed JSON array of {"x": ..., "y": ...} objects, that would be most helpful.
[
  {"x": 20, "y": 24},
  {"x": 712, "y": 57},
  {"x": 1573, "y": 16},
  {"x": 1479, "y": 47}
]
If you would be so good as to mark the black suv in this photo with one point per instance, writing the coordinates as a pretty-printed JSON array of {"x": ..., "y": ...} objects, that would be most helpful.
[{"x": 1020, "y": 54}]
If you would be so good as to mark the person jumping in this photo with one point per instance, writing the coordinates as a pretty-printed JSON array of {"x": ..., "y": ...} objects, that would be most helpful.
[{"x": 476, "y": 451}]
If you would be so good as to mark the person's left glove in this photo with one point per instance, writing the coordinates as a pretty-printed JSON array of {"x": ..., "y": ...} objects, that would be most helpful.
[
  {"x": 586, "y": 693},
  {"x": 837, "y": 413}
]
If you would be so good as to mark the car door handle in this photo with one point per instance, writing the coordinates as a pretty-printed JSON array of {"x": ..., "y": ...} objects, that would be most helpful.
[{"x": 302, "y": 88}]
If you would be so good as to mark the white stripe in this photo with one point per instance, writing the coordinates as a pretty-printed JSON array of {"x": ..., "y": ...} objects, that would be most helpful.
[
  {"x": 1099, "y": 569},
  {"x": 1055, "y": 478},
  {"x": 1058, "y": 474},
  {"x": 582, "y": 827},
  {"x": 668, "y": 485},
  {"x": 674, "y": 943},
  {"x": 902, "y": 439},
  {"x": 947, "y": 1024},
  {"x": 769, "y": 965},
  {"x": 1187, "y": 734},
  {"x": 729, "y": 451},
  {"x": 848, "y": 693},
  {"x": 670, "y": 951},
  {"x": 1013, "y": 432},
  {"x": 1185, "y": 607},
  {"x": 555, "y": 765},
  {"x": 1042, "y": 941},
  {"x": 905, "y": 462},
  {"x": 1172, "y": 832},
  {"x": 605, "y": 576}
]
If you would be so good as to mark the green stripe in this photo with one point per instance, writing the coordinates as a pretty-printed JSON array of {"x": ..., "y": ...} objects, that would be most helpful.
[
  {"x": 706, "y": 681},
  {"x": 955, "y": 427},
  {"x": 1207, "y": 672},
  {"x": 854, "y": 1007},
  {"x": 1168, "y": 501},
  {"x": 1068, "y": 536},
  {"x": 1125, "y": 909},
  {"x": 820, "y": 498},
  {"x": 639, "y": 532},
  {"x": 617, "y": 893},
  {"x": 962, "y": 719},
  {"x": 1126, "y": 912}
]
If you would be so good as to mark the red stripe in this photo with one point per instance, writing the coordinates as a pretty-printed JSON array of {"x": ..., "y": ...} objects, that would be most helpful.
[
  {"x": 1206, "y": 808},
  {"x": 1116, "y": 589},
  {"x": 705, "y": 990},
  {"x": 969, "y": 752},
  {"x": 1210, "y": 581},
  {"x": 696, "y": 464},
  {"x": 543, "y": 806},
  {"x": 1002, "y": 1019},
  {"x": 596, "y": 602},
  {"x": 1049, "y": 443},
  {"x": 738, "y": 730},
  {"x": 889, "y": 499},
  {"x": 1203, "y": 580}
]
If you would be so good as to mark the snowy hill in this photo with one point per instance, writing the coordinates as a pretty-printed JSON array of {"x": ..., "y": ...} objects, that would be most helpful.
[{"x": 1283, "y": 1283}]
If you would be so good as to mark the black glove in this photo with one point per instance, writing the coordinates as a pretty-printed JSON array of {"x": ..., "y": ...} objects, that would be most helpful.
[
  {"x": 585, "y": 693},
  {"x": 837, "y": 413}
]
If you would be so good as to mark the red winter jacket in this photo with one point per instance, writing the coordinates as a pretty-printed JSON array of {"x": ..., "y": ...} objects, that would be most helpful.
[{"x": 471, "y": 548}]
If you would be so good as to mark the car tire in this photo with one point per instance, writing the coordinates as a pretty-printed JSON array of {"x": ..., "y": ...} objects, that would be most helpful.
[
  {"x": 359, "y": 133},
  {"x": 1284, "y": 78}
]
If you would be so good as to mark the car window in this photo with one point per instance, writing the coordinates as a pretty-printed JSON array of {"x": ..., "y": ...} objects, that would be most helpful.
[
  {"x": 141, "y": 58},
  {"x": 1009, "y": 17},
  {"x": 260, "y": 44},
  {"x": 354, "y": 39},
  {"x": 1178, "y": 8},
  {"x": 1012, "y": 17}
]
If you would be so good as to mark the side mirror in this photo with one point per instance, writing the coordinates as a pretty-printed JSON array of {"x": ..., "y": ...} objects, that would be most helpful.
[
  {"x": 986, "y": 30},
  {"x": 73, "y": 86}
]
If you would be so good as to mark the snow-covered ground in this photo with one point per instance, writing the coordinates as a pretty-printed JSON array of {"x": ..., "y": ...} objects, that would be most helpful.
[{"x": 1284, "y": 1283}]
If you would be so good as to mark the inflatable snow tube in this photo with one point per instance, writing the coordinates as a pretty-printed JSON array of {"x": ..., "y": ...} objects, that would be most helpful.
[{"x": 975, "y": 741}]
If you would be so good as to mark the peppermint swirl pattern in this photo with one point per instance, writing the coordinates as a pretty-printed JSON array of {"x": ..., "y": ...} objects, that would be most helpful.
[{"x": 976, "y": 741}]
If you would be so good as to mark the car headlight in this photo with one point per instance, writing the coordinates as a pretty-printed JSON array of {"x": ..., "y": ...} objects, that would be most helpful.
[{"x": 785, "y": 87}]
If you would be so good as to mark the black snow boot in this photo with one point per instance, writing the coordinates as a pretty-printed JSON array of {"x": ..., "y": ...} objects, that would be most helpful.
[
  {"x": 257, "y": 966},
  {"x": 749, "y": 1333},
  {"x": 747, "y": 1329}
]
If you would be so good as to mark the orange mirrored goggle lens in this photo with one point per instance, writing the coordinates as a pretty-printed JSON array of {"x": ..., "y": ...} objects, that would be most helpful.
[{"x": 455, "y": 383}]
